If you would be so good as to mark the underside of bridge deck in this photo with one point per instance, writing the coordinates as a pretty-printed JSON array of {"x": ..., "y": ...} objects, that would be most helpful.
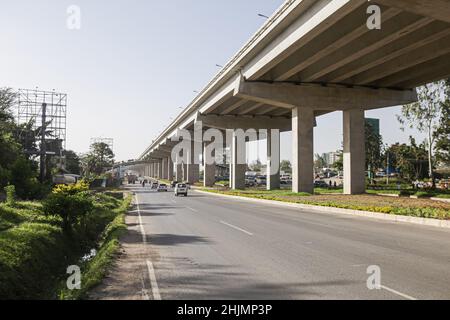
[{"x": 316, "y": 57}]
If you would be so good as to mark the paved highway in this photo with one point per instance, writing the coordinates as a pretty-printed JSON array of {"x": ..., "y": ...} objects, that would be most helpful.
[{"x": 209, "y": 247}]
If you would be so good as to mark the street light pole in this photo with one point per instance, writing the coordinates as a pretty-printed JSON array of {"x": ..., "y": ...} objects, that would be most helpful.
[{"x": 387, "y": 167}]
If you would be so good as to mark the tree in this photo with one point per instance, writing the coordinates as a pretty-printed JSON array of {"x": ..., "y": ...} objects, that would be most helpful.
[
  {"x": 9, "y": 147},
  {"x": 73, "y": 163},
  {"x": 16, "y": 167},
  {"x": 425, "y": 116},
  {"x": 256, "y": 166},
  {"x": 339, "y": 164},
  {"x": 443, "y": 133},
  {"x": 410, "y": 160},
  {"x": 320, "y": 162},
  {"x": 286, "y": 166},
  {"x": 374, "y": 144},
  {"x": 98, "y": 159}
]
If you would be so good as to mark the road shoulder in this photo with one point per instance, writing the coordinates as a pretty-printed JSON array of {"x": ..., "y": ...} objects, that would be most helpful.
[{"x": 128, "y": 277}]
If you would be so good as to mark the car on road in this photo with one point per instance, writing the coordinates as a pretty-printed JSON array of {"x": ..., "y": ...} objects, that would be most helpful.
[
  {"x": 320, "y": 184},
  {"x": 163, "y": 188},
  {"x": 154, "y": 186},
  {"x": 261, "y": 180},
  {"x": 181, "y": 189}
]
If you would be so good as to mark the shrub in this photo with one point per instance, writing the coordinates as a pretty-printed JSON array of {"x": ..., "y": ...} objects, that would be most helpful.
[
  {"x": 72, "y": 203},
  {"x": 405, "y": 193},
  {"x": 10, "y": 195},
  {"x": 73, "y": 189}
]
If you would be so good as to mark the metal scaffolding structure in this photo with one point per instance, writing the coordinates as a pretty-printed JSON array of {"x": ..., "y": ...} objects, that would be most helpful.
[{"x": 34, "y": 105}]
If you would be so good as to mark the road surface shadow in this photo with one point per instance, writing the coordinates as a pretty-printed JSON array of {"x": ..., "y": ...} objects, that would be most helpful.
[
  {"x": 166, "y": 239},
  {"x": 219, "y": 282}
]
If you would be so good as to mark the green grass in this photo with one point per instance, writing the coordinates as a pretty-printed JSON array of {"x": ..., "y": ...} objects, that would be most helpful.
[
  {"x": 95, "y": 270},
  {"x": 328, "y": 191},
  {"x": 35, "y": 252}
]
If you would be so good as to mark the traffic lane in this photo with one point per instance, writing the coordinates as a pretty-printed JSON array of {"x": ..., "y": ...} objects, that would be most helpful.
[
  {"x": 253, "y": 267},
  {"x": 412, "y": 258}
]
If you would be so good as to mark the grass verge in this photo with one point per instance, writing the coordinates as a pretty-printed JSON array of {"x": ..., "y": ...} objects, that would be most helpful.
[
  {"x": 35, "y": 252},
  {"x": 96, "y": 269}
]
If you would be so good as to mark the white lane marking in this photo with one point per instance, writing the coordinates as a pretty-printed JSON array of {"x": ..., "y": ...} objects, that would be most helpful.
[
  {"x": 141, "y": 225},
  {"x": 236, "y": 228},
  {"x": 151, "y": 270},
  {"x": 154, "y": 283},
  {"x": 398, "y": 293},
  {"x": 193, "y": 210}
]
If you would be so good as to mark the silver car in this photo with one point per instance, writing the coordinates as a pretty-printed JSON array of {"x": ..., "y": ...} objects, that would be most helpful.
[{"x": 181, "y": 189}]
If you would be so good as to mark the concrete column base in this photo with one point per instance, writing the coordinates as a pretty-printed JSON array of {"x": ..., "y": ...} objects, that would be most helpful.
[
  {"x": 238, "y": 163},
  {"x": 179, "y": 172},
  {"x": 169, "y": 169},
  {"x": 209, "y": 167},
  {"x": 354, "y": 152},
  {"x": 164, "y": 169},
  {"x": 193, "y": 173},
  {"x": 303, "y": 121},
  {"x": 273, "y": 160}
]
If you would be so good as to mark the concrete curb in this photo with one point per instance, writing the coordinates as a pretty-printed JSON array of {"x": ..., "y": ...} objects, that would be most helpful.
[
  {"x": 365, "y": 214},
  {"x": 441, "y": 200}
]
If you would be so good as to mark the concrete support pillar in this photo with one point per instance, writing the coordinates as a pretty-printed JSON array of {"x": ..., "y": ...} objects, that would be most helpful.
[
  {"x": 303, "y": 121},
  {"x": 273, "y": 160},
  {"x": 238, "y": 163},
  {"x": 209, "y": 159},
  {"x": 164, "y": 169},
  {"x": 160, "y": 169},
  {"x": 179, "y": 172},
  {"x": 169, "y": 169},
  {"x": 152, "y": 170},
  {"x": 193, "y": 166},
  {"x": 354, "y": 152}
]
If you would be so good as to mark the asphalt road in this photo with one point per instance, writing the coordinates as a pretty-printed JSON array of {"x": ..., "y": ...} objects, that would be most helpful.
[{"x": 208, "y": 247}]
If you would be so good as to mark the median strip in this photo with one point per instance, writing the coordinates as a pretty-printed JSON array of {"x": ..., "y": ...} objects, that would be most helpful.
[{"x": 305, "y": 203}]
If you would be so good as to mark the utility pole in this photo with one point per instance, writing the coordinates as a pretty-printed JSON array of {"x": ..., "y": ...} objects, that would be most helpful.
[
  {"x": 43, "y": 155},
  {"x": 387, "y": 167}
]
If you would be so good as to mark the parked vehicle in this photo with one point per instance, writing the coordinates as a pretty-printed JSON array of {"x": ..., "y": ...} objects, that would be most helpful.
[
  {"x": 154, "y": 186},
  {"x": 181, "y": 189},
  {"x": 320, "y": 184},
  {"x": 66, "y": 179},
  {"x": 261, "y": 180}
]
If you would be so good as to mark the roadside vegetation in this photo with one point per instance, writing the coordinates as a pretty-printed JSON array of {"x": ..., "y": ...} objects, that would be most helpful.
[{"x": 39, "y": 240}]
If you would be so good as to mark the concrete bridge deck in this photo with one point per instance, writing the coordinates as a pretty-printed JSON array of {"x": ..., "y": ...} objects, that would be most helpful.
[{"x": 313, "y": 57}]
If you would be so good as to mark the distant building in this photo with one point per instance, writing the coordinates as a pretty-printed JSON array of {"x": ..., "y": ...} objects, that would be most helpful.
[
  {"x": 375, "y": 125},
  {"x": 331, "y": 158}
]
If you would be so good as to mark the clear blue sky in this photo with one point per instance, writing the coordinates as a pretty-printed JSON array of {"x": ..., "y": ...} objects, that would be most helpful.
[{"x": 134, "y": 63}]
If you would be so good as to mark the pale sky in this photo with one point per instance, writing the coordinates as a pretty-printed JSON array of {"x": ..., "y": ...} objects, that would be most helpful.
[{"x": 134, "y": 64}]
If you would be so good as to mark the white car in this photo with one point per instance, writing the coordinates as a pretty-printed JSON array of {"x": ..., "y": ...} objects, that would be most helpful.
[
  {"x": 181, "y": 189},
  {"x": 163, "y": 188}
]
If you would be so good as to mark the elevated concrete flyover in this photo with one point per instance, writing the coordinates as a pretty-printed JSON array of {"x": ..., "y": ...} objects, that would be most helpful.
[{"x": 313, "y": 57}]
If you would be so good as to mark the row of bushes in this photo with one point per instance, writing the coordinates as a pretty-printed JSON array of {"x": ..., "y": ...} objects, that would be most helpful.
[{"x": 38, "y": 241}]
